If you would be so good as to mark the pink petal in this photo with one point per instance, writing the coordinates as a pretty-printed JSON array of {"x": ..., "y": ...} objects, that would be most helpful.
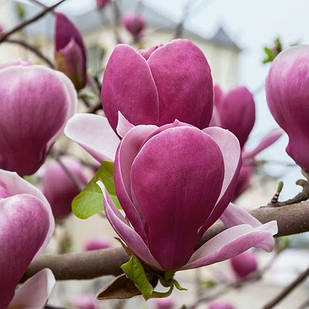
[
  {"x": 176, "y": 179},
  {"x": 23, "y": 220},
  {"x": 266, "y": 141},
  {"x": 125, "y": 156},
  {"x": 232, "y": 242},
  {"x": 231, "y": 152},
  {"x": 123, "y": 126},
  {"x": 16, "y": 185},
  {"x": 125, "y": 232},
  {"x": 94, "y": 134},
  {"x": 34, "y": 293},
  {"x": 183, "y": 79},
  {"x": 128, "y": 87}
]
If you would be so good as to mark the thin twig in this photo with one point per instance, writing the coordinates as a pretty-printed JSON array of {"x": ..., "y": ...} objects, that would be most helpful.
[
  {"x": 287, "y": 290},
  {"x": 29, "y": 21},
  {"x": 41, "y": 4},
  {"x": 33, "y": 49}
]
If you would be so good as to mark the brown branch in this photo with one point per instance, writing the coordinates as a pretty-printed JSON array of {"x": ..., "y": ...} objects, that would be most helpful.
[
  {"x": 292, "y": 219},
  {"x": 33, "y": 49},
  {"x": 287, "y": 290},
  {"x": 29, "y": 21}
]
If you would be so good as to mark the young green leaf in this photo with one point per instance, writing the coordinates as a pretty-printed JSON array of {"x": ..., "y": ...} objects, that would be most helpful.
[
  {"x": 90, "y": 201},
  {"x": 134, "y": 270}
]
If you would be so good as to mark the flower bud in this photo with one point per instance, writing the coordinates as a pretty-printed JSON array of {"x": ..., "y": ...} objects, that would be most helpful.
[
  {"x": 70, "y": 51},
  {"x": 135, "y": 24},
  {"x": 159, "y": 85},
  {"x": 59, "y": 188},
  {"x": 35, "y": 104},
  {"x": 97, "y": 243},
  {"x": 287, "y": 93},
  {"x": 244, "y": 264},
  {"x": 165, "y": 303}
]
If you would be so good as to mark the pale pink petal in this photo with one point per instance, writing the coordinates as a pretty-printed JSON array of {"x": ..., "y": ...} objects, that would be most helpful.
[
  {"x": 232, "y": 242},
  {"x": 132, "y": 239},
  {"x": 94, "y": 134},
  {"x": 34, "y": 293},
  {"x": 124, "y": 125}
]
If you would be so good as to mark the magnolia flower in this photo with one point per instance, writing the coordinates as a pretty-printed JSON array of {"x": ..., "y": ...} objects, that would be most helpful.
[
  {"x": 135, "y": 24},
  {"x": 26, "y": 226},
  {"x": 236, "y": 111},
  {"x": 70, "y": 51},
  {"x": 170, "y": 206},
  {"x": 35, "y": 103},
  {"x": 168, "y": 82},
  {"x": 101, "y": 4},
  {"x": 97, "y": 243},
  {"x": 287, "y": 93},
  {"x": 220, "y": 305},
  {"x": 59, "y": 188},
  {"x": 244, "y": 264},
  {"x": 84, "y": 302},
  {"x": 164, "y": 303}
]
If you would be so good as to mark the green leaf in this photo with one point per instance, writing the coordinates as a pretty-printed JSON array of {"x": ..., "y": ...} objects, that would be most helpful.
[
  {"x": 90, "y": 201},
  {"x": 134, "y": 270}
]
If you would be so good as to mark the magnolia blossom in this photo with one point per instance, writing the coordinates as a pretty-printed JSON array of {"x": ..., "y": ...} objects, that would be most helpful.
[
  {"x": 84, "y": 302},
  {"x": 216, "y": 304},
  {"x": 135, "y": 24},
  {"x": 70, "y": 51},
  {"x": 26, "y": 226},
  {"x": 35, "y": 103},
  {"x": 59, "y": 188},
  {"x": 97, "y": 243},
  {"x": 244, "y": 264},
  {"x": 157, "y": 86},
  {"x": 165, "y": 303},
  {"x": 287, "y": 93},
  {"x": 236, "y": 111}
]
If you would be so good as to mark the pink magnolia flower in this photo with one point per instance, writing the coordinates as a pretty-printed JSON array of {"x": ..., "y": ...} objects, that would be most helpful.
[
  {"x": 84, "y": 302},
  {"x": 236, "y": 110},
  {"x": 165, "y": 303},
  {"x": 97, "y": 243},
  {"x": 35, "y": 103},
  {"x": 101, "y": 4},
  {"x": 168, "y": 82},
  {"x": 70, "y": 51},
  {"x": 170, "y": 206},
  {"x": 287, "y": 93},
  {"x": 26, "y": 226},
  {"x": 135, "y": 24},
  {"x": 244, "y": 264},
  {"x": 220, "y": 305},
  {"x": 58, "y": 187}
]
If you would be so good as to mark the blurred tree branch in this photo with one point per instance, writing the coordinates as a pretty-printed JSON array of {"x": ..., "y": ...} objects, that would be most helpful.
[{"x": 292, "y": 219}]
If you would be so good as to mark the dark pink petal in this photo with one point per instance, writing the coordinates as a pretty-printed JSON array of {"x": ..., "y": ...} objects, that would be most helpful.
[
  {"x": 232, "y": 242},
  {"x": 244, "y": 264},
  {"x": 94, "y": 134},
  {"x": 244, "y": 180},
  {"x": 176, "y": 179},
  {"x": 35, "y": 103},
  {"x": 165, "y": 303},
  {"x": 58, "y": 187},
  {"x": 97, "y": 243},
  {"x": 24, "y": 225},
  {"x": 218, "y": 95},
  {"x": 126, "y": 153},
  {"x": 231, "y": 152},
  {"x": 287, "y": 93},
  {"x": 128, "y": 87},
  {"x": 125, "y": 232},
  {"x": 34, "y": 293},
  {"x": 237, "y": 112},
  {"x": 183, "y": 79}
]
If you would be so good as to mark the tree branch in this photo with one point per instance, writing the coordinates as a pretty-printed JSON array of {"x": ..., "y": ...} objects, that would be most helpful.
[
  {"x": 292, "y": 219},
  {"x": 29, "y": 21}
]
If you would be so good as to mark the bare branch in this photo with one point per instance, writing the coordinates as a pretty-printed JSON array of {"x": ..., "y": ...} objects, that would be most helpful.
[{"x": 292, "y": 219}]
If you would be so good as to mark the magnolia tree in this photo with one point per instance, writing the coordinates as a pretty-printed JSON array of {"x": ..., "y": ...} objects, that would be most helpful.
[{"x": 171, "y": 159}]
